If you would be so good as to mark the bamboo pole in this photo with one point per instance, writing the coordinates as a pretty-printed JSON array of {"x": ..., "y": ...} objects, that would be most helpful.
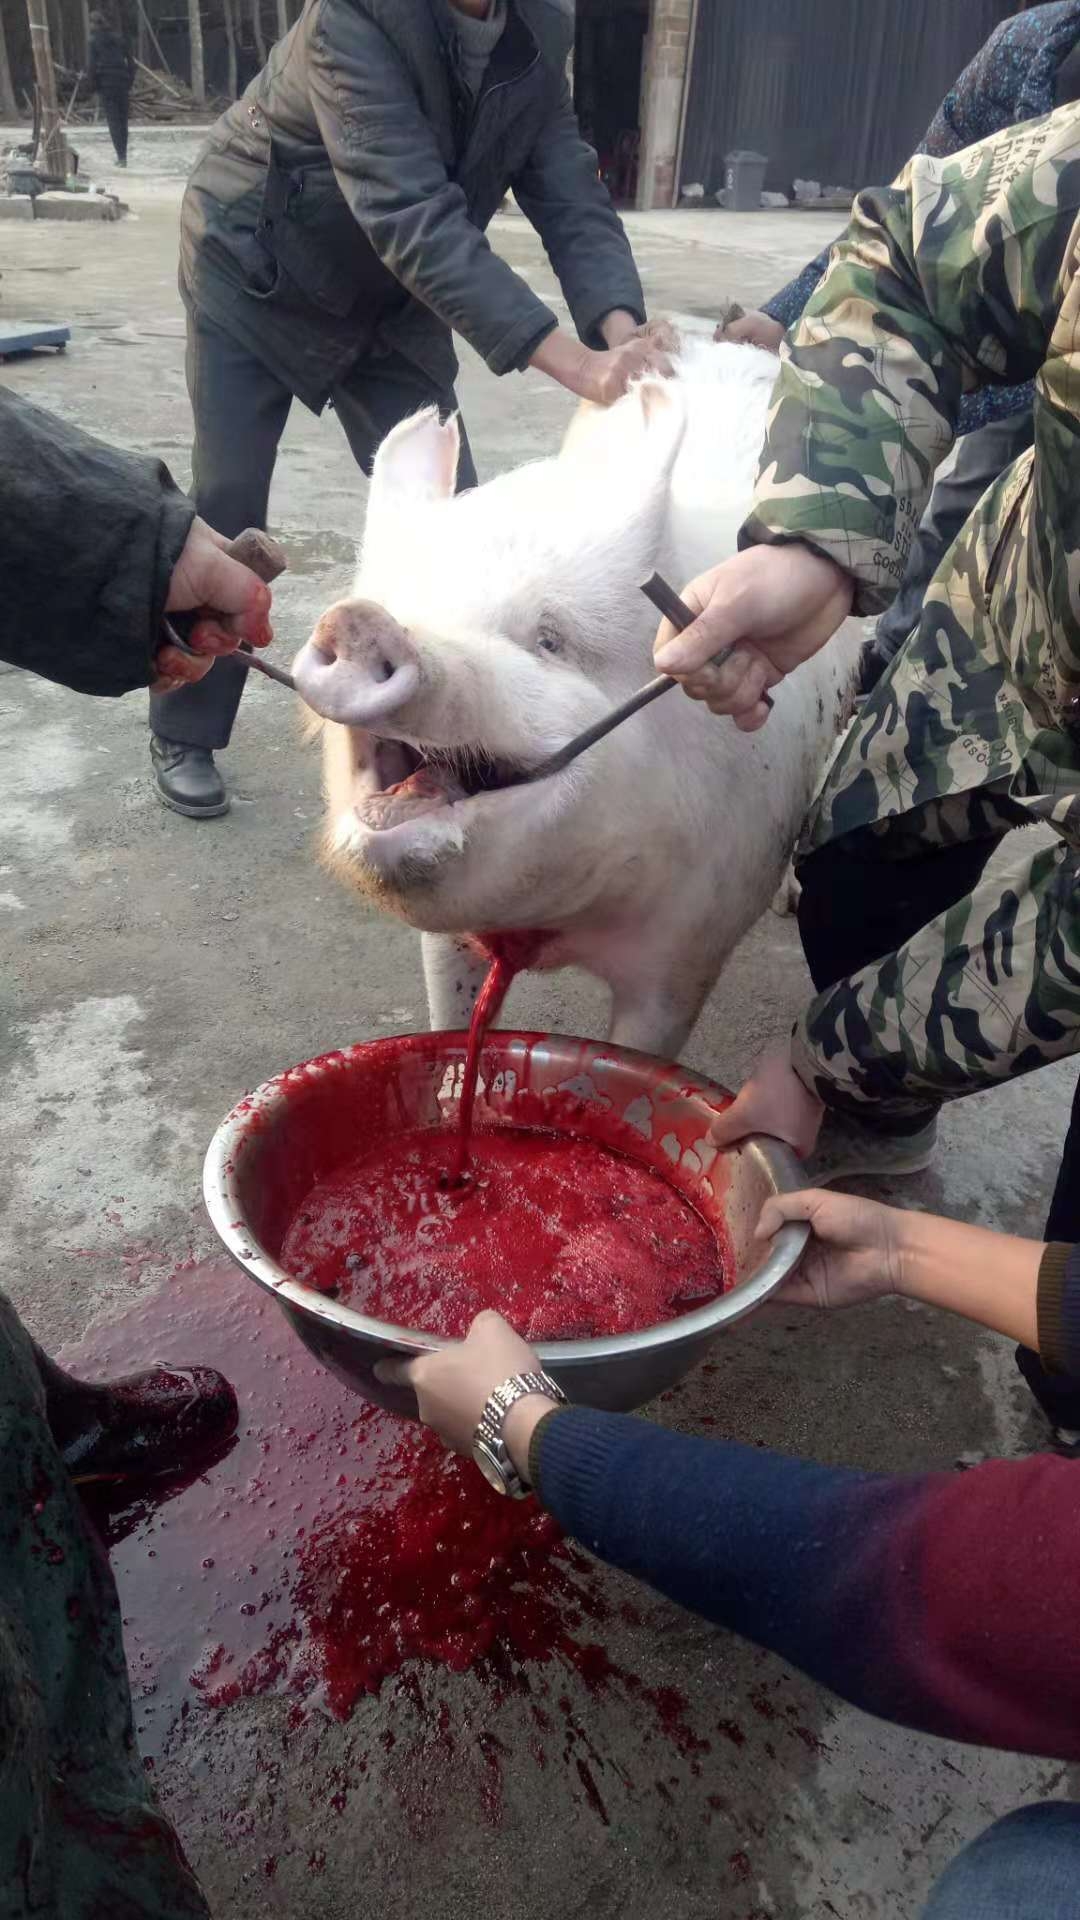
[
  {"x": 144, "y": 20},
  {"x": 230, "y": 36},
  {"x": 198, "y": 70},
  {"x": 52, "y": 152},
  {"x": 9, "y": 106}
]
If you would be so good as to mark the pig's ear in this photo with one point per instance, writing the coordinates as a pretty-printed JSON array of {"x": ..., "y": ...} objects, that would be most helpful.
[
  {"x": 622, "y": 464},
  {"x": 640, "y": 435},
  {"x": 418, "y": 460},
  {"x": 663, "y": 413}
]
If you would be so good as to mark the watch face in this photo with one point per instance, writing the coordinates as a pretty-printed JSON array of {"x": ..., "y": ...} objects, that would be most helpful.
[{"x": 490, "y": 1466}]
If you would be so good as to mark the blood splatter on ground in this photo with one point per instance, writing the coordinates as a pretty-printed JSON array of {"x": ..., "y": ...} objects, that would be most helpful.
[
  {"x": 258, "y": 1613},
  {"x": 331, "y": 1547}
]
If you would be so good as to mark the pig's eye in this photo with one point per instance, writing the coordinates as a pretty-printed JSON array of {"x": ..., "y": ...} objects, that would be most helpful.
[{"x": 548, "y": 637}]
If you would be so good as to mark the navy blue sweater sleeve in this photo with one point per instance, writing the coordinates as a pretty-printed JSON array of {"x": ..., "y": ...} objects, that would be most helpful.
[
  {"x": 941, "y": 1601},
  {"x": 787, "y": 305}
]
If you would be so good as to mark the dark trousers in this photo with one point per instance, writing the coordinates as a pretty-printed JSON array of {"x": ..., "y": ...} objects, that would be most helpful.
[
  {"x": 856, "y": 908},
  {"x": 114, "y": 101},
  {"x": 240, "y": 411},
  {"x": 980, "y": 457},
  {"x": 81, "y": 1832}
]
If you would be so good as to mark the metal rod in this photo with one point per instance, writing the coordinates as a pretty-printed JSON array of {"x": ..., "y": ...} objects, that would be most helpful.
[
  {"x": 558, "y": 761},
  {"x": 667, "y": 602},
  {"x": 249, "y": 658},
  {"x": 245, "y": 654}
]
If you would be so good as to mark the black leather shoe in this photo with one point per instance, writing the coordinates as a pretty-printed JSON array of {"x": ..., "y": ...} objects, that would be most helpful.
[
  {"x": 187, "y": 779},
  {"x": 149, "y": 1424}
]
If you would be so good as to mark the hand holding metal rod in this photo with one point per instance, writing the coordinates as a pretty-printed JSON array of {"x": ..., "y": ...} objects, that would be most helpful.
[{"x": 256, "y": 550}]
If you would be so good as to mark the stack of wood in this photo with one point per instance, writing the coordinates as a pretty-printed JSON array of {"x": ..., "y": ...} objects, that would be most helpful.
[
  {"x": 159, "y": 97},
  {"x": 164, "y": 97}
]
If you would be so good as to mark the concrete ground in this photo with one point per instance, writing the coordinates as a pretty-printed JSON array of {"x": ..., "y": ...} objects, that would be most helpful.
[{"x": 154, "y": 969}]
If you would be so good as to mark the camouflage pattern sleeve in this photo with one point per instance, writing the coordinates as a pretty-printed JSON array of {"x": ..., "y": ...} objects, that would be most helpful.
[
  {"x": 1043, "y": 561},
  {"x": 952, "y": 277},
  {"x": 986, "y": 992}
]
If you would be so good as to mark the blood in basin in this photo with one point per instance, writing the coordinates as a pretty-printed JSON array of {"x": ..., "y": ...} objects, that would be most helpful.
[{"x": 563, "y": 1236}]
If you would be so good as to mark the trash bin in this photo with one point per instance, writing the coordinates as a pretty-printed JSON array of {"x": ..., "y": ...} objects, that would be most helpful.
[{"x": 744, "y": 177}]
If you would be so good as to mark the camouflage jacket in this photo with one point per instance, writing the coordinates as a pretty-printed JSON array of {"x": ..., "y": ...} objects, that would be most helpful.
[{"x": 966, "y": 269}]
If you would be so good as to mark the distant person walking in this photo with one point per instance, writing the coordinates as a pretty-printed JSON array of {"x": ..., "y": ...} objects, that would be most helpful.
[{"x": 111, "y": 76}]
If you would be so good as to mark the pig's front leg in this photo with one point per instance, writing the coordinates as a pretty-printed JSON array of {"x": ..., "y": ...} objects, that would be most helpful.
[
  {"x": 453, "y": 975},
  {"x": 656, "y": 1012}
]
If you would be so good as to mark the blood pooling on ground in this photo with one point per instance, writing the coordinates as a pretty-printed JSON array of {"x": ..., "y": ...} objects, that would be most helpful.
[{"x": 330, "y": 1547}]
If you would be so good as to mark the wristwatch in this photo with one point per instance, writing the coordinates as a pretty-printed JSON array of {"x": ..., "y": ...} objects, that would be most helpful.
[{"x": 489, "y": 1448}]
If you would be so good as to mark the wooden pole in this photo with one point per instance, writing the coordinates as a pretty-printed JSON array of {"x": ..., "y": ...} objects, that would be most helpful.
[
  {"x": 9, "y": 107},
  {"x": 52, "y": 152},
  {"x": 198, "y": 71},
  {"x": 684, "y": 103},
  {"x": 57, "y": 34},
  {"x": 145, "y": 21},
  {"x": 282, "y": 18},
  {"x": 257, "y": 30},
  {"x": 230, "y": 36}
]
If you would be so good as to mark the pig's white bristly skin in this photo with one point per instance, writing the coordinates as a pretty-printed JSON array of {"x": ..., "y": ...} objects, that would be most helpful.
[{"x": 519, "y": 618}]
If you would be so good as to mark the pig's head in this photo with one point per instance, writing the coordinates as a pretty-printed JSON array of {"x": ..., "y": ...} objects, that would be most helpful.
[{"x": 485, "y": 630}]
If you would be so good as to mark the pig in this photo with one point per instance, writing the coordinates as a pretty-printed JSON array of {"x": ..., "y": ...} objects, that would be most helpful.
[{"x": 486, "y": 628}]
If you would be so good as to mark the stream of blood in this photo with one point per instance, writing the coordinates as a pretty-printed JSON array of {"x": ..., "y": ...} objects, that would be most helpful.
[{"x": 488, "y": 1006}]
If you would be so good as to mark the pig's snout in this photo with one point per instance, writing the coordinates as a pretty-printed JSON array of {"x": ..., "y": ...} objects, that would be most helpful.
[{"x": 359, "y": 667}]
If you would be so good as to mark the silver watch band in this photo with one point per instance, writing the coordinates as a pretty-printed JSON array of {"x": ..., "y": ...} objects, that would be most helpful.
[
  {"x": 517, "y": 1387},
  {"x": 489, "y": 1429}
]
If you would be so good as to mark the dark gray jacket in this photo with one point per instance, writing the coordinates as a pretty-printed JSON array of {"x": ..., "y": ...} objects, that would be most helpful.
[
  {"x": 110, "y": 67},
  {"x": 338, "y": 209},
  {"x": 89, "y": 537}
]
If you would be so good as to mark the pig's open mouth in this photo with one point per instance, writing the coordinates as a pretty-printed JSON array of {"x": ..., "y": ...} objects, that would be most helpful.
[{"x": 408, "y": 782}]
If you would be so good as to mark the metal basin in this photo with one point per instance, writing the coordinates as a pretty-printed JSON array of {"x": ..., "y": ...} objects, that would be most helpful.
[{"x": 298, "y": 1129}]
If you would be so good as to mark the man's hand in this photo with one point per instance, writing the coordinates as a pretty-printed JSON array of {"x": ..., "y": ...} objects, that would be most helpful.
[
  {"x": 753, "y": 329},
  {"x": 854, "y": 1252},
  {"x": 236, "y": 603},
  {"x": 776, "y": 605},
  {"x": 618, "y": 327},
  {"x": 608, "y": 375},
  {"x": 600, "y": 377},
  {"x": 773, "y": 1101},
  {"x": 453, "y": 1386}
]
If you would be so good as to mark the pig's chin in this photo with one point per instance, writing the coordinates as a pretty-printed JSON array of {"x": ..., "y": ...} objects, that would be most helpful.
[{"x": 410, "y": 811}]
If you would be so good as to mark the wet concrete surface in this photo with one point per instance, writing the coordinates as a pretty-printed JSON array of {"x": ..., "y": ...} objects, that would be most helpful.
[{"x": 154, "y": 969}]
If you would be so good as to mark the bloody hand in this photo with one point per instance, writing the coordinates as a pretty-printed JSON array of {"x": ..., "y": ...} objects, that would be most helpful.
[{"x": 235, "y": 601}]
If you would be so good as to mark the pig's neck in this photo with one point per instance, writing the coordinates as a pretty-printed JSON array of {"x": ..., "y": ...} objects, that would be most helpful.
[{"x": 517, "y": 950}]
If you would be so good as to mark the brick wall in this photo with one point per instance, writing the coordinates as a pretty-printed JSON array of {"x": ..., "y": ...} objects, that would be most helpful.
[{"x": 663, "y": 75}]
